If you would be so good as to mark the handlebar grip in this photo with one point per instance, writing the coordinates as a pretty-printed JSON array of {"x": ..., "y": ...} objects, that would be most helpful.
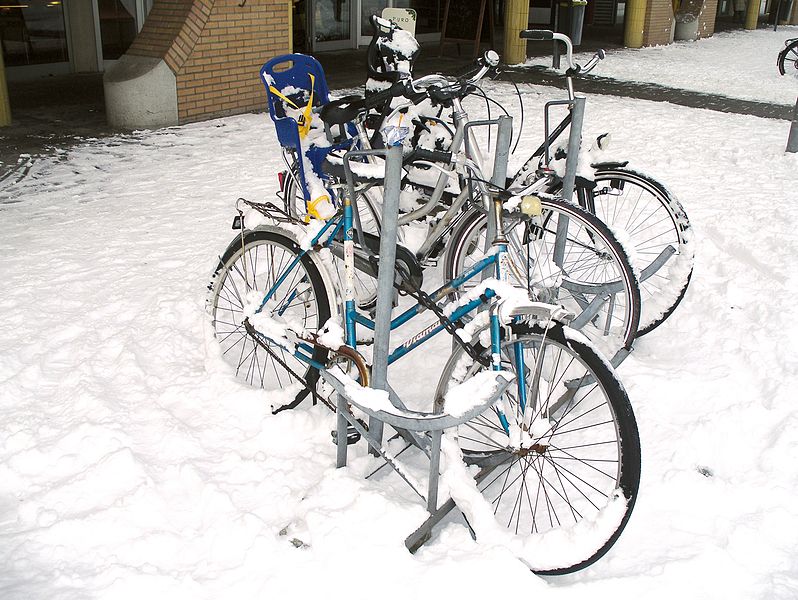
[
  {"x": 416, "y": 98},
  {"x": 376, "y": 99},
  {"x": 536, "y": 34},
  {"x": 429, "y": 155}
]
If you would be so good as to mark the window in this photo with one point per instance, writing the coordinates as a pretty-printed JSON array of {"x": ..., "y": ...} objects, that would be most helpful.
[
  {"x": 32, "y": 32},
  {"x": 117, "y": 26}
]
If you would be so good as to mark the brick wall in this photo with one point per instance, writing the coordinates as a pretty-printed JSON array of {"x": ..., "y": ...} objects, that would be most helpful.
[
  {"x": 659, "y": 21},
  {"x": 216, "y": 49},
  {"x": 706, "y": 18},
  {"x": 161, "y": 27}
]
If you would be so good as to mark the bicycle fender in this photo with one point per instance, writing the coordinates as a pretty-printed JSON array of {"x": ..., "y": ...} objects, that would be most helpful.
[
  {"x": 618, "y": 164},
  {"x": 536, "y": 312}
]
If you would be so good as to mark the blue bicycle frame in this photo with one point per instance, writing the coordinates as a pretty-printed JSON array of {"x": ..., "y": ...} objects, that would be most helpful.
[
  {"x": 343, "y": 223},
  {"x": 353, "y": 317}
]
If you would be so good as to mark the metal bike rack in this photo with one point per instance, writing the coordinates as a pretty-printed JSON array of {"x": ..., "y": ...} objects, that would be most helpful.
[{"x": 397, "y": 415}]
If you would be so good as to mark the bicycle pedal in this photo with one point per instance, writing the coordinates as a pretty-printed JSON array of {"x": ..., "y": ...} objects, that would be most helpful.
[{"x": 352, "y": 436}]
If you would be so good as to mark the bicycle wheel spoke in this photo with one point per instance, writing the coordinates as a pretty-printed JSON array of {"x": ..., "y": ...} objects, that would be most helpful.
[{"x": 265, "y": 260}]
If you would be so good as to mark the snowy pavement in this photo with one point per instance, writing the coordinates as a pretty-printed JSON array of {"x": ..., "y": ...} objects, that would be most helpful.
[
  {"x": 133, "y": 465},
  {"x": 738, "y": 64}
]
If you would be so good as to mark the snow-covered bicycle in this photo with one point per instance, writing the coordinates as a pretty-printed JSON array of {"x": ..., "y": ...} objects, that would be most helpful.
[{"x": 530, "y": 406}]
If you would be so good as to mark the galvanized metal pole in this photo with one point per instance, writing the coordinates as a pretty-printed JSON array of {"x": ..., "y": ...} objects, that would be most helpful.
[
  {"x": 792, "y": 140},
  {"x": 555, "y": 48},
  {"x": 574, "y": 141},
  {"x": 385, "y": 280},
  {"x": 504, "y": 135},
  {"x": 571, "y": 166}
]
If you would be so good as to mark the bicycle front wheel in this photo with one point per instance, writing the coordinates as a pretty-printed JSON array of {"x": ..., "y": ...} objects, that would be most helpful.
[
  {"x": 655, "y": 230},
  {"x": 788, "y": 59},
  {"x": 567, "y": 257},
  {"x": 559, "y": 453},
  {"x": 253, "y": 264}
]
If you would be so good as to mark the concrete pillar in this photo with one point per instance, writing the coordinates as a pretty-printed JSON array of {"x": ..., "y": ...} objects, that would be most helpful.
[
  {"x": 752, "y": 14},
  {"x": 83, "y": 38},
  {"x": 634, "y": 23},
  {"x": 5, "y": 107},
  {"x": 140, "y": 92},
  {"x": 516, "y": 19}
]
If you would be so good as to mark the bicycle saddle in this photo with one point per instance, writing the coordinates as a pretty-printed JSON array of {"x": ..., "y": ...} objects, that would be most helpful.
[{"x": 343, "y": 110}]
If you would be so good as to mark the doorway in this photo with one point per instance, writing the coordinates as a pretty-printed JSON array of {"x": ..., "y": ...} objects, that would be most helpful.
[{"x": 341, "y": 24}]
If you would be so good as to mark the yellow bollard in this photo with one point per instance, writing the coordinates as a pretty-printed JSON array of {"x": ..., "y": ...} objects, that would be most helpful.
[
  {"x": 635, "y": 23},
  {"x": 752, "y": 14},
  {"x": 290, "y": 26},
  {"x": 516, "y": 19},
  {"x": 5, "y": 107}
]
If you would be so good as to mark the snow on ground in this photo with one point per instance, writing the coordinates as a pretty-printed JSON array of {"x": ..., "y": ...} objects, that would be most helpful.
[
  {"x": 738, "y": 64},
  {"x": 132, "y": 465}
]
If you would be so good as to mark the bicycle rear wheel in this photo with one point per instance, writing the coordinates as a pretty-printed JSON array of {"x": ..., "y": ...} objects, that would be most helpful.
[
  {"x": 251, "y": 267},
  {"x": 562, "y": 470},
  {"x": 653, "y": 226},
  {"x": 788, "y": 59},
  {"x": 567, "y": 257}
]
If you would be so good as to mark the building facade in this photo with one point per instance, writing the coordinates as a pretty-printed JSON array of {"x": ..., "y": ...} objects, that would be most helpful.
[{"x": 174, "y": 61}]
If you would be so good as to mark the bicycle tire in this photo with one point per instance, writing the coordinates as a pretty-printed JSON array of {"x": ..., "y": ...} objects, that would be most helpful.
[
  {"x": 574, "y": 473},
  {"x": 787, "y": 60},
  {"x": 594, "y": 261},
  {"x": 651, "y": 222},
  {"x": 255, "y": 263}
]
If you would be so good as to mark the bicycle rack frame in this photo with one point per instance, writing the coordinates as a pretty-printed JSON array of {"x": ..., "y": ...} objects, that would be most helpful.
[{"x": 398, "y": 416}]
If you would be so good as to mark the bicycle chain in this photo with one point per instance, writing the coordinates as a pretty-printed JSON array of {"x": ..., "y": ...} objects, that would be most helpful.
[{"x": 426, "y": 301}]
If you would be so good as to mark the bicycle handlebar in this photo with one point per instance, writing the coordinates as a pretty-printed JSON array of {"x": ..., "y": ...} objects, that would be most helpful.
[
  {"x": 435, "y": 156},
  {"x": 536, "y": 34},
  {"x": 546, "y": 35}
]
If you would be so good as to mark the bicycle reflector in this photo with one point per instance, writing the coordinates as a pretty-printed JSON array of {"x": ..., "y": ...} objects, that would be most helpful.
[{"x": 531, "y": 207}]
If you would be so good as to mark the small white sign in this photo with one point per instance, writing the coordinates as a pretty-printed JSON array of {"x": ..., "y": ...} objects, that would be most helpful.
[{"x": 401, "y": 17}]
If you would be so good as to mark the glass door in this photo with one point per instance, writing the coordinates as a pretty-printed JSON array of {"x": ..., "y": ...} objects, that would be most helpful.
[
  {"x": 368, "y": 8},
  {"x": 429, "y": 17},
  {"x": 332, "y": 25},
  {"x": 33, "y": 38},
  {"x": 117, "y": 27}
]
